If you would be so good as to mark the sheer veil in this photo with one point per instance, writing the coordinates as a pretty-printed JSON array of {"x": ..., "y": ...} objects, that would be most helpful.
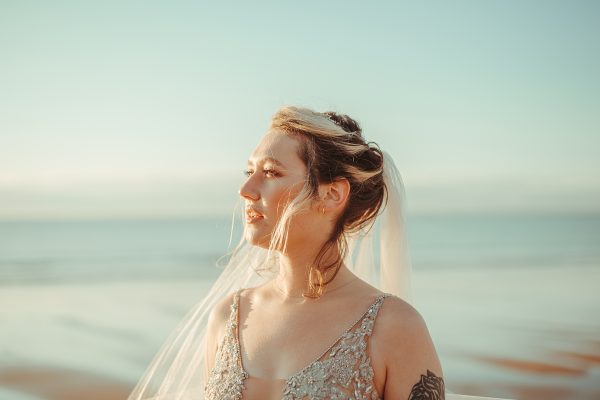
[{"x": 378, "y": 255}]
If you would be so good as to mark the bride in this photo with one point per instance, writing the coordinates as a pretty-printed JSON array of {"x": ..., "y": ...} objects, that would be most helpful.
[{"x": 315, "y": 302}]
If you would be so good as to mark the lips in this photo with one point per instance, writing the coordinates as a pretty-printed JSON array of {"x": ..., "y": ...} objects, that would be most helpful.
[
  {"x": 252, "y": 215},
  {"x": 252, "y": 212}
]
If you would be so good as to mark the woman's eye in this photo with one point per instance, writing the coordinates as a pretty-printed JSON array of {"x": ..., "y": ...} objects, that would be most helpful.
[{"x": 267, "y": 172}]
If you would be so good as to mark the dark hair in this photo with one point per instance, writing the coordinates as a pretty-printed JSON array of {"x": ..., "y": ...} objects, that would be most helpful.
[{"x": 332, "y": 147}]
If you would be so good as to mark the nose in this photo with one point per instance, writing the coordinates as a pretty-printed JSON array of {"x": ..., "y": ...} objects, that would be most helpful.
[{"x": 248, "y": 191}]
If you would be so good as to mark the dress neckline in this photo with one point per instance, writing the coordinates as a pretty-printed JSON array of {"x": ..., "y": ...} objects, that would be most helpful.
[{"x": 289, "y": 378}]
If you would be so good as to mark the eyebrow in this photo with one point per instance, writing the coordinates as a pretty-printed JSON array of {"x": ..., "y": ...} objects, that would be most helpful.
[{"x": 270, "y": 159}]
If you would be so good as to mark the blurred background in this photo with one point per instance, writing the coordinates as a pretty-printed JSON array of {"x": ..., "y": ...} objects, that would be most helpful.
[{"x": 125, "y": 127}]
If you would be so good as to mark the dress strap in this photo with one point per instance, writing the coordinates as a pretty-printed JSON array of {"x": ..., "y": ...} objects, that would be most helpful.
[
  {"x": 232, "y": 334},
  {"x": 233, "y": 315},
  {"x": 369, "y": 317}
]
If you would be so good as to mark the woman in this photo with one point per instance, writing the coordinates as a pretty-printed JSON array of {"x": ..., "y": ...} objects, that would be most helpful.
[{"x": 302, "y": 318}]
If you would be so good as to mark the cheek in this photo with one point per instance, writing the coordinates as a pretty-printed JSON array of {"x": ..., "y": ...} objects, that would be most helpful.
[
  {"x": 302, "y": 223},
  {"x": 277, "y": 199}
]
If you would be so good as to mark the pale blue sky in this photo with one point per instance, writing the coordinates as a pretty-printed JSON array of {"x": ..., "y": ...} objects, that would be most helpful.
[{"x": 152, "y": 108}]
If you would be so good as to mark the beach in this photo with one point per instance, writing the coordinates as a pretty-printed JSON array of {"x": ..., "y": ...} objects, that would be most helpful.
[
  {"x": 140, "y": 139},
  {"x": 60, "y": 342},
  {"x": 524, "y": 331}
]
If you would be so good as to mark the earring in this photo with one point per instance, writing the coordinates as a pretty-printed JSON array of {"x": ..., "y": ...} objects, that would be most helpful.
[{"x": 323, "y": 210}]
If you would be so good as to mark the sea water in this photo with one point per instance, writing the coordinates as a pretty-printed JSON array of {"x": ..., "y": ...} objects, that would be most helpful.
[{"x": 506, "y": 298}]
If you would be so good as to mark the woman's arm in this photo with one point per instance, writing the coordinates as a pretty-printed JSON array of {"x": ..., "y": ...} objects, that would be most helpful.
[{"x": 413, "y": 370}]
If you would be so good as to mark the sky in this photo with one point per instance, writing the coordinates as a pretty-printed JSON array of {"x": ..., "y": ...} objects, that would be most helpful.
[{"x": 151, "y": 109}]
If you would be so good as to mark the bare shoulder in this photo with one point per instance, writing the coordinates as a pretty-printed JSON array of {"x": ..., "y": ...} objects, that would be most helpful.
[
  {"x": 216, "y": 324},
  {"x": 219, "y": 314},
  {"x": 215, "y": 331},
  {"x": 402, "y": 344},
  {"x": 398, "y": 325},
  {"x": 397, "y": 315}
]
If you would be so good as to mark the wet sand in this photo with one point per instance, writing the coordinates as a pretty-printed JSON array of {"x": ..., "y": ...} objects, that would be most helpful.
[
  {"x": 93, "y": 341},
  {"x": 53, "y": 383},
  {"x": 62, "y": 384}
]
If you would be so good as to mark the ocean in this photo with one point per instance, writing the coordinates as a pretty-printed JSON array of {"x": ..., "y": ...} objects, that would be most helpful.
[{"x": 512, "y": 302}]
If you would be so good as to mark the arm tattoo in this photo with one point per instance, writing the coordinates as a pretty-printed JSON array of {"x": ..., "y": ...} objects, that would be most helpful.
[{"x": 430, "y": 387}]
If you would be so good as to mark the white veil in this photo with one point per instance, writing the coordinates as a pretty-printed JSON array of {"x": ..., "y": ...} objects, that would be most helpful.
[{"x": 378, "y": 255}]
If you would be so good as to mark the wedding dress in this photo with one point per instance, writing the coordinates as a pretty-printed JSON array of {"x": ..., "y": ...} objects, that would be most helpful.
[
  {"x": 378, "y": 255},
  {"x": 343, "y": 370}
]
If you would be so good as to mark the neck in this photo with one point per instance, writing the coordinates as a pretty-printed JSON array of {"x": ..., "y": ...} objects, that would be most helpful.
[{"x": 292, "y": 280}]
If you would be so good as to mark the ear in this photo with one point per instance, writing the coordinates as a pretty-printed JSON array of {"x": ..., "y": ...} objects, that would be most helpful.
[{"x": 335, "y": 194}]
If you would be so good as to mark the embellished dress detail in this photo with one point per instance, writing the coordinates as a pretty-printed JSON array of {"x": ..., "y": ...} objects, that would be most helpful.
[
  {"x": 344, "y": 371},
  {"x": 226, "y": 380}
]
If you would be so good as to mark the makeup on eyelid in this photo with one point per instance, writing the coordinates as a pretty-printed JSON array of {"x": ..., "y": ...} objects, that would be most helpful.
[{"x": 265, "y": 171}]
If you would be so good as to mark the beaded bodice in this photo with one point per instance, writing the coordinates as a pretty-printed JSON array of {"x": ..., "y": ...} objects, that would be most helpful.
[{"x": 343, "y": 371}]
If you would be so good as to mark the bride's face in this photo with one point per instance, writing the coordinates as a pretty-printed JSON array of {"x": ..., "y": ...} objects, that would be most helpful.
[{"x": 275, "y": 175}]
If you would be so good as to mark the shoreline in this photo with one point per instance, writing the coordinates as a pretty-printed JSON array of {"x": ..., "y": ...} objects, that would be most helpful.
[
  {"x": 53, "y": 383},
  {"x": 521, "y": 341},
  {"x": 48, "y": 382}
]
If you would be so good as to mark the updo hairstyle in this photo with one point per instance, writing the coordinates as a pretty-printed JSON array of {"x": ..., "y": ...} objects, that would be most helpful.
[{"x": 332, "y": 147}]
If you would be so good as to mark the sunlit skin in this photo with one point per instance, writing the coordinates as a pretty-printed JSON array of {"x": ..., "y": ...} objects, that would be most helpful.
[
  {"x": 275, "y": 315},
  {"x": 276, "y": 174}
]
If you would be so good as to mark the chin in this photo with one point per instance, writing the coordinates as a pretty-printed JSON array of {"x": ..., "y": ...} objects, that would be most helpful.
[{"x": 255, "y": 239}]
